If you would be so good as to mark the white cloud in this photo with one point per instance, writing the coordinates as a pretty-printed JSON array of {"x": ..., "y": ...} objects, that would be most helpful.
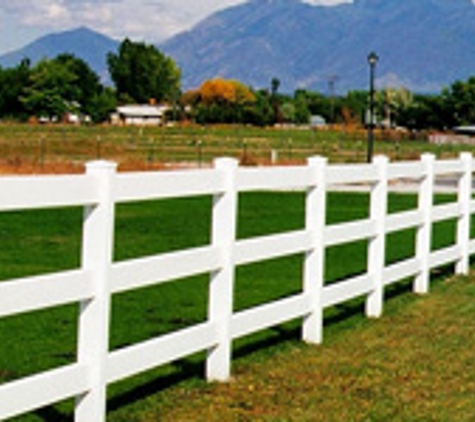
[
  {"x": 146, "y": 19},
  {"x": 149, "y": 19}
]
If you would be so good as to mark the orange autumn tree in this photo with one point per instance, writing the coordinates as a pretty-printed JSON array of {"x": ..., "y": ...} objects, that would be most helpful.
[
  {"x": 220, "y": 90},
  {"x": 217, "y": 91},
  {"x": 242, "y": 94},
  {"x": 223, "y": 101}
]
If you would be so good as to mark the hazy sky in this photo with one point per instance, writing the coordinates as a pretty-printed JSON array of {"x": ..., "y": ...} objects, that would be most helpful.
[{"x": 22, "y": 21}]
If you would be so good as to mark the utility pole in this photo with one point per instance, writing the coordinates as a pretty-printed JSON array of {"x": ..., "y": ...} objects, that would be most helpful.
[{"x": 331, "y": 89}]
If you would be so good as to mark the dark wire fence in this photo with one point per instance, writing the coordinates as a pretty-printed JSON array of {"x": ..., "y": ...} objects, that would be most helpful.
[{"x": 39, "y": 148}]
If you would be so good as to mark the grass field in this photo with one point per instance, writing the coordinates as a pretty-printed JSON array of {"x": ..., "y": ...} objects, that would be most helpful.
[
  {"x": 37, "y": 242},
  {"x": 60, "y": 148},
  {"x": 415, "y": 364}
]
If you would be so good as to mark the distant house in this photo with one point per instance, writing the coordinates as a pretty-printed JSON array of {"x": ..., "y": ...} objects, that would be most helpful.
[
  {"x": 317, "y": 121},
  {"x": 465, "y": 130},
  {"x": 461, "y": 135},
  {"x": 76, "y": 118},
  {"x": 140, "y": 115}
]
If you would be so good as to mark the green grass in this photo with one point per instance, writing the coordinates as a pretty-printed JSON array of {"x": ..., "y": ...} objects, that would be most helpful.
[
  {"x": 415, "y": 364},
  {"x": 37, "y": 242}
]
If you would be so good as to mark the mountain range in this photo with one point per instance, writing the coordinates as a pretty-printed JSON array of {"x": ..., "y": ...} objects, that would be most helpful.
[{"x": 422, "y": 44}]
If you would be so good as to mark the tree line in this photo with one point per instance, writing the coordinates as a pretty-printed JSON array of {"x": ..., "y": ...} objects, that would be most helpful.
[
  {"x": 66, "y": 84},
  {"x": 141, "y": 73}
]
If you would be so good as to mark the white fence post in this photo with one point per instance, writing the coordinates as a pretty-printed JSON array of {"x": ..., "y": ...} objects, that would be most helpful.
[
  {"x": 314, "y": 267},
  {"x": 93, "y": 341},
  {"x": 424, "y": 231},
  {"x": 377, "y": 244},
  {"x": 463, "y": 224},
  {"x": 218, "y": 365}
]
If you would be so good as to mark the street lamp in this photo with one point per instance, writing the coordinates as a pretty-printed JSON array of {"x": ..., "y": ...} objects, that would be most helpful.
[{"x": 372, "y": 60}]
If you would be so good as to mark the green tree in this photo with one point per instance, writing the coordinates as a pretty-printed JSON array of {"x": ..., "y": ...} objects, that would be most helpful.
[
  {"x": 288, "y": 112},
  {"x": 12, "y": 84},
  {"x": 86, "y": 80},
  {"x": 63, "y": 84},
  {"x": 52, "y": 90},
  {"x": 318, "y": 104},
  {"x": 391, "y": 101},
  {"x": 356, "y": 103},
  {"x": 141, "y": 72},
  {"x": 460, "y": 102},
  {"x": 275, "y": 85},
  {"x": 425, "y": 112},
  {"x": 262, "y": 111},
  {"x": 302, "y": 111},
  {"x": 102, "y": 105}
]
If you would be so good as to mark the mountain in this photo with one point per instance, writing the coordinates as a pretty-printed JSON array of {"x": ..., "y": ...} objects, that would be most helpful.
[
  {"x": 84, "y": 43},
  {"x": 422, "y": 44}
]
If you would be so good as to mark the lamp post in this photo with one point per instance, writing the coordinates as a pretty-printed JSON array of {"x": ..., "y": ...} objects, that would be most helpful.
[{"x": 372, "y": 60}]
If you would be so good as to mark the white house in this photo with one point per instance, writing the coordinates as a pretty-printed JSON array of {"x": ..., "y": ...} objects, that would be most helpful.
[
  {"x": 139, "y": 114},
  {"x": 317, "y": 121}
]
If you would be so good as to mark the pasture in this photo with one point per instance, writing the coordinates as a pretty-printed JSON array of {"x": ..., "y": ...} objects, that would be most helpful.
[
  {"x": 37, "y": 242},
  {"x": 65, "y": 148}
]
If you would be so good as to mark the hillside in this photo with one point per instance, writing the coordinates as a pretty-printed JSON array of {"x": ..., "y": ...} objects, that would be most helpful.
[
  {"x": 423, "y": 44},
  {"x": 84, "y": 43}
]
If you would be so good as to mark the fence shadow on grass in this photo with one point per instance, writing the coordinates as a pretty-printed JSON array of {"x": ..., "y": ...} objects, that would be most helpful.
[
  {"x": 51, "y": 414},
  {"x": 186, "y": 370}
]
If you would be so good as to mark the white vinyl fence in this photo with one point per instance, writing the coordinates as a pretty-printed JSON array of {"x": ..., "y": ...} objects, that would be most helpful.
[{"x": 93, "y": 285}]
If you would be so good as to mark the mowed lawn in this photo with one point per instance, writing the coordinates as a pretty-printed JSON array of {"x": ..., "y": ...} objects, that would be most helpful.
[
  {"x": 414, "y": 364},
  {"x": 365, "y": 370}
]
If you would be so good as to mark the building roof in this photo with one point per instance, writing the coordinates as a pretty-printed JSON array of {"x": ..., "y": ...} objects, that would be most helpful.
[
  {"x": 467, "y": 130},
  {"x": 141, "y": 110}
]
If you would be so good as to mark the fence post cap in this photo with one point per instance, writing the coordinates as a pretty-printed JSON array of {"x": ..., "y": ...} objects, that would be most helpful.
[
  {"x": 225, "y": 162},
  {"x": 317, "y": 159},
  {"x": 101, "y": 165},
  {"x": 428, "y": 156},
  {"x": 380, "y": 159}
]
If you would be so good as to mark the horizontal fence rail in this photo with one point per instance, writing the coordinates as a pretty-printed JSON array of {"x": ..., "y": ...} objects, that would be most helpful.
[{"x": 98, "y": 278}]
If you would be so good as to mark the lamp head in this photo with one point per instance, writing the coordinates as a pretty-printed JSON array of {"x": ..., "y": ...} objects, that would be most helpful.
[{"x": 373, "y": 58}]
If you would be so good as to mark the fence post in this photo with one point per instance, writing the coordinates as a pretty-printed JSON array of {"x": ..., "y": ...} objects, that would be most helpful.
[
  {"x": 377, "y": 244},
  {"x": 424, "y": 231},
  {"x": 314, "y": 266},
  {"x": 463, "y": 224},
  {"x": 218, "y": 365},
  {"x": 93, "y": 337}
]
